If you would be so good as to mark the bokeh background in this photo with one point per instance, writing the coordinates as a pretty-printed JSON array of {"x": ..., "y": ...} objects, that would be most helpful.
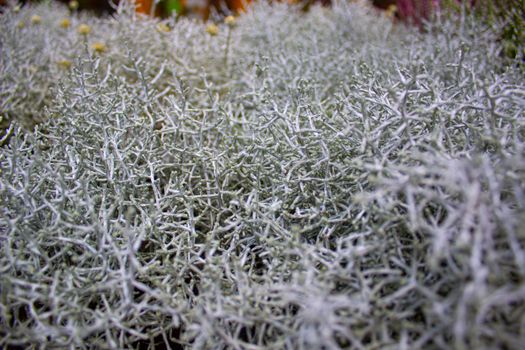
[
  {"x": 199, "y": 7},
  {"x": 509, "y": 14}
]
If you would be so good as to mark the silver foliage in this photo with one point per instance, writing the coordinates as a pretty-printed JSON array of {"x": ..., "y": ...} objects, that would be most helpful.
[{"x": 306, "y": 181}]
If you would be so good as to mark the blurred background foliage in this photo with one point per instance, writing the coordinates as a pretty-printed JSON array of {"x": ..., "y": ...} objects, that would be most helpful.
[{"x": 510, "y": 13}]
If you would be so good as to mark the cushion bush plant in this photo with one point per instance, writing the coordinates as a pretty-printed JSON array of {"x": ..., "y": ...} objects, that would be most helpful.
[{"x": 320, "y": 180}]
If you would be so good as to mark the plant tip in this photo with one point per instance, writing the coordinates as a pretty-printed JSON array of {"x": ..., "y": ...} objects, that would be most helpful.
[
  {"x": 73, "y": 5},
  {"x": 391, "y": 11},
  {"x": 36, "y": 19},
  {"x": 99, "y": 47},
  {"x": 84, "y": 29},
  {"x": 65, "y": 23},
  {"x": 212, "y": 29},
  {"x": 163, "y": 28},
  {"x": 230, "y": 20},
  {"x": 66, "y": 64}
]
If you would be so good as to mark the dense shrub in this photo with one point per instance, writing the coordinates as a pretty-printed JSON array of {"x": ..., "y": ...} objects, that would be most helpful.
[{"x": 304, "y": 181}]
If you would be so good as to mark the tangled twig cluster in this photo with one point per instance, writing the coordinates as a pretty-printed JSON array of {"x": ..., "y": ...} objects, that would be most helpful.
[{"x": 336, "y": 182}]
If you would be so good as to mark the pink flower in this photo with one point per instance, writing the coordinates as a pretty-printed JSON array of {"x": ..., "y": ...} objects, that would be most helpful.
[{"x": 416, "y": 11}]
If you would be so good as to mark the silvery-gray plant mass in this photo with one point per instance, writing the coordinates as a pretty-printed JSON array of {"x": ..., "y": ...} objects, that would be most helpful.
[{"x": 320, "y": 180}]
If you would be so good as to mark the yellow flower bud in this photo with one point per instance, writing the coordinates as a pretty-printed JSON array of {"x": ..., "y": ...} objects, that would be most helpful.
[
  {"x": 36, "y": 19},
  {"x": 230, "y": 20},
  {"x": 65, "y": 23},
  {"x": 212, "y": 29},
  {"x": 64, "y": 64},
  {"x": 391, "y": 11},
  {"x": 84, "y": 29},
  {"x": 21, "y": 24},
  {"x": 163, "y": 28},
  {"x": 73, "y": 5},
  {"x": 16, "y": 9},
  {"x": 99, "y": 47}
]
